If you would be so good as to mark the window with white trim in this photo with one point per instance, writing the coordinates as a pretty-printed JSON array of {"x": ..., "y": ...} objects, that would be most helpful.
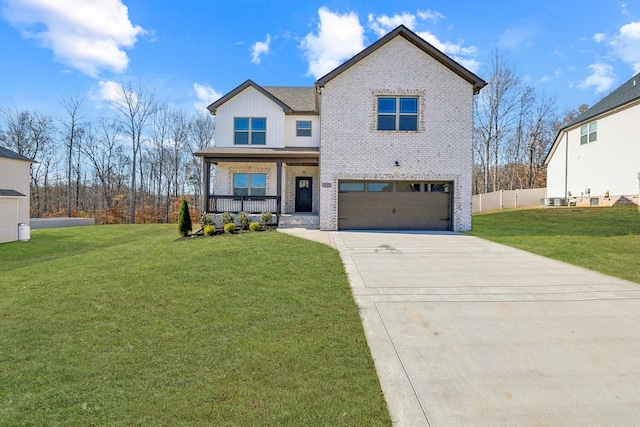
[
  {"x": 250, "y": 130},
  {"x": 397, "y": 113},
  {"x": 589, "y": 133},
  {"x": 303, "y": 128},
  {"x": 249, "y": 184}
]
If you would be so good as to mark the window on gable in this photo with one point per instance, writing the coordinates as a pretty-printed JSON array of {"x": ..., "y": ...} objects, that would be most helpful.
[
  {"x": 589, "y": 133},
  {"x": 303, "y": 128},
  {"x": 250, "y": 130},
  {"x": 397, "y": 113},
  {"x": 249, "y": 184}
]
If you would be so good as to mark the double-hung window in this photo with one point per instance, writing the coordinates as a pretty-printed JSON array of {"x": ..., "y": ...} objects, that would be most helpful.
[
  {"x": 249, "y": 184},
  {"x": 398, "y": 113},
  {"x": 250, "y": 130},
  {"x": 589, "y": 133},
  {"x": 303, "y": 128}
]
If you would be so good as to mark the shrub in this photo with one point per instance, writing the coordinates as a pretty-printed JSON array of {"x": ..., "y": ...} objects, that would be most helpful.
[
  {"x": 227, "y": 218},
  {"x": 229, "y": 227},
  {"x": 209, "y": 230},
  {"x": 184, "y": 219},
  {"x": 244, "y": 220},
  {"x": 266, "y": 218},
  {"x": 207, "y": 219},
  {"x": 255, "y": 226}
]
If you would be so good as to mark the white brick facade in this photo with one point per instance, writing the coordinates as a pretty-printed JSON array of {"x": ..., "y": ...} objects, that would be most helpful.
[{"x": 352, "y": 148}]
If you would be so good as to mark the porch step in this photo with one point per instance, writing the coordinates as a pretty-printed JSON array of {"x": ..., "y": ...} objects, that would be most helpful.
[{"x": 310, "y": 221}]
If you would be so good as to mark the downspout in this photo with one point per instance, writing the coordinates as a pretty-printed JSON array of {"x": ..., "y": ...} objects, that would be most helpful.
[{"x": 566, "y": 165}]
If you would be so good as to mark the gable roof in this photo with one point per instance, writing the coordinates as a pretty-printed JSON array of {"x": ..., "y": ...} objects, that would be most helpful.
[
  {"x": 10, "y": 193},
  {"x": 8, "y": 154},
  {"x": 419, "y": 42},
  {"x": 290, "y": 98},
  {"x": 626, "y": 93}
]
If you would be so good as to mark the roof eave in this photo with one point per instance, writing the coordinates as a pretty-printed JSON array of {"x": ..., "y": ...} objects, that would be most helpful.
[{"x": 213, "y": 107}]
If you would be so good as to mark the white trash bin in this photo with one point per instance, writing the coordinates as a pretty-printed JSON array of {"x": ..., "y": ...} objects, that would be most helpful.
[{"x": 24, "y": 232}]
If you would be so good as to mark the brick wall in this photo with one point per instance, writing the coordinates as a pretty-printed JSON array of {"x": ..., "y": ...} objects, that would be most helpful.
[{"x": 351, "y": 148}]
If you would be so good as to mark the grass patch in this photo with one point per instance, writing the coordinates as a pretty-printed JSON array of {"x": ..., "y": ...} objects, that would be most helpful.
[
  {"x": 602, "y": 239},
  {"x": 123, "y": 325}
]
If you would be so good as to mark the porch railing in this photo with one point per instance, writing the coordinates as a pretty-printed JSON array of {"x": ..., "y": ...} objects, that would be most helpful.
[{"x": 251, "y": 204}]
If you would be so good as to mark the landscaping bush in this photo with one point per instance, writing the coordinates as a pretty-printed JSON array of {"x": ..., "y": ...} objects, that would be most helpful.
[
  {"x": 184, "y": 219},
  {"x": 244, "y": 220},
  {"x": 266, "y": 218},
  {"x": 226, "y": 218},
  {"x": 255, "y": 226},
  {"x": 207, "y": 219},
  {"x": 209, "y": 230},
  {"x": 229, "y": 227}
]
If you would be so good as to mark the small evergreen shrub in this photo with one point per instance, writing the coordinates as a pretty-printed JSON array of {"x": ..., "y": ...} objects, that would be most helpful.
[
  {"x": 229, "y": 227},
  {"x": 207, "y": 219},
  {"x": 184, "y": 219},
  {"x": 244, "y": 220},
  {"x": 209, "y": 230},
  {"x": 227, "y": 218},
  {"x": 255, "y": 226},
  {"x": 266, "y": 218}
]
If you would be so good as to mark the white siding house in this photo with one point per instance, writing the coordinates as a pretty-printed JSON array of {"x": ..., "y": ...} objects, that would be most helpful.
[
  {"x": 14, "y": 193},
  {"x": 381, "y": 142},
  {"x": 595, "y": 160}
]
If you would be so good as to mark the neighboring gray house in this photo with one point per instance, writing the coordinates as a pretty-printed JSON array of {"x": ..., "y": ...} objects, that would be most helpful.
[
  {"x": 595, "y": 159},
  {"x": 14, "y": 193},
  {"x": 382, "y": 142}
]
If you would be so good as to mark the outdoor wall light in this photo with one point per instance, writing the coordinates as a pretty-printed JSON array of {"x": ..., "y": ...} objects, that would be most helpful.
[{"x": 396, "y": 164}]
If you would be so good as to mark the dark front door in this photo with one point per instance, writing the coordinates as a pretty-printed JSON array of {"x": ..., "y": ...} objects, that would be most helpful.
[{"x": 303, "y": 194}]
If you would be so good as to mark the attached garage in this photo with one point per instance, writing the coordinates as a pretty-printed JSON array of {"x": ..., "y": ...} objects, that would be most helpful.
[{"x": 395, "y": 205}]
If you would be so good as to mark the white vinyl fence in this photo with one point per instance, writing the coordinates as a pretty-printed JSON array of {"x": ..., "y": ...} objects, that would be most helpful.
[{"x": 508, "y": 199}]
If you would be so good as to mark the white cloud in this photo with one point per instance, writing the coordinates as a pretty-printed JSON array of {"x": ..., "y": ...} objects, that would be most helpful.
[
  {"x": 339, "y": 37},
  {"x": 382, "y": 24},
  {"x": 598, "y": 37},
  {"x": 259, "y": 49},
  {"x": 456, "y": 51},
  {"x": 626, "y": 44},
  {"x": 556, "y": 74},
  {"x": 206, "y": 95},
  {"x": 429, "y": 15},
  {"x": 601, "y": 77},
  {"x": 515, "y": 38},
  {"x": 88, "y": 35}
]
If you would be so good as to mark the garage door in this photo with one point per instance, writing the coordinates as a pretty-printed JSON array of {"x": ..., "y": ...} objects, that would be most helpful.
[
  {"x": 8, "y": 220},
  {"x": 394, "y": 205}
]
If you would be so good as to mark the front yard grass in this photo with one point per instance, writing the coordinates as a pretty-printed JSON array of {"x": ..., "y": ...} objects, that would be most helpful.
[
  {"x": 602, "y": 239},
  {"x": 124, "y": 325}
]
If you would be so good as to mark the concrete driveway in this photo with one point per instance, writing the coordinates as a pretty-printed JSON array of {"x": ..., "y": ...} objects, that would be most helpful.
[{"x": 468, "y": 332}]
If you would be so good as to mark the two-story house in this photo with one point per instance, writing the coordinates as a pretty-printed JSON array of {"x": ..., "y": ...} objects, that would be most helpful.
[
  {"x": 381, "y": 142},
  {"x": 14, "y": 193},
  {"x": 595, "y": 159}
]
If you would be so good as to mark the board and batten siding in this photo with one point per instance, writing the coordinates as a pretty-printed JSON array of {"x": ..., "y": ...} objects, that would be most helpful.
[
  {"x": 611, "y": 163},
  {"x": 250, "y": 103}
]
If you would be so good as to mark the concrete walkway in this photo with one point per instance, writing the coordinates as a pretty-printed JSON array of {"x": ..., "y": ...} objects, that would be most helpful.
[{"x": 468, "y": 332}]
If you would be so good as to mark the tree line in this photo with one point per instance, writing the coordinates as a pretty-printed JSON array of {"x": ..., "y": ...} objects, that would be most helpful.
[
  {"x": 136, "y": 163},
  {"x": 133, "y": 165}
]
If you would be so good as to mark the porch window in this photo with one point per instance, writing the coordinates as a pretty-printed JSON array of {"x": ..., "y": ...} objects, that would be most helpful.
[
  {"x": 303, "y": 128},
  {"x": 250, "y": 130},
  {"x": 249, "y": 184},
  {"x": 397, "y": 113}
]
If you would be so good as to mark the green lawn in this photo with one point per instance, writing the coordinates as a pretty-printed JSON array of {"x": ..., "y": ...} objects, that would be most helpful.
[
  {"x": 124, "y": 325},
  {"x": 601, "y": 239}
]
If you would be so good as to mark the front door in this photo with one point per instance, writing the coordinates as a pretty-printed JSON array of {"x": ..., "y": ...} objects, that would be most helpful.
[{"x": 303, "y": 194}]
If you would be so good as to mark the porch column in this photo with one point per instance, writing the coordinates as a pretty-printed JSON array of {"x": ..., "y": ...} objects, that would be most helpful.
[
  {"x": 279, "y": 186},
  {"x": 206, "y": 184}
]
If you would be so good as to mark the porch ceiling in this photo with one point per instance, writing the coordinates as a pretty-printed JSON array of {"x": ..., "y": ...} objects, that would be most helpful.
[{"x": 297, "y": 155}]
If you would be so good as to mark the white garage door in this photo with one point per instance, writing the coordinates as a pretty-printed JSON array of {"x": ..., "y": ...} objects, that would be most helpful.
[{"x": 8, "y": 220}]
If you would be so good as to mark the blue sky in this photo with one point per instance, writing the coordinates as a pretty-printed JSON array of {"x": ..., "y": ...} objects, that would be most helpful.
[{"x": 191, "y": 52}]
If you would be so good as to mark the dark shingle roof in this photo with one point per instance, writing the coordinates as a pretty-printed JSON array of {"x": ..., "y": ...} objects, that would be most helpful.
[
  {"x": 8, "y": 154},
  {"x": 10, "y": 193},
  {"x": 627, "y": 92}
]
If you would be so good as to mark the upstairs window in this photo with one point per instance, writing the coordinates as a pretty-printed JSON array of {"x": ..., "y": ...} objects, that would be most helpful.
[
  {"x": 249, "y": 184},
  {"x": 589, "y": 133},
  {"x": 250, "y": 130},
  {"x": 397, "y": 113},
  {"x": 303, "y": 128}
]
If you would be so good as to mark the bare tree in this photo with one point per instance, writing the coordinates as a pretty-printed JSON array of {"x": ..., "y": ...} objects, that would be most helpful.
[
  {"x": 134, "y": 105},
  {"x": 201, "y": 135},
  {"x": 72, "y": 130}
]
